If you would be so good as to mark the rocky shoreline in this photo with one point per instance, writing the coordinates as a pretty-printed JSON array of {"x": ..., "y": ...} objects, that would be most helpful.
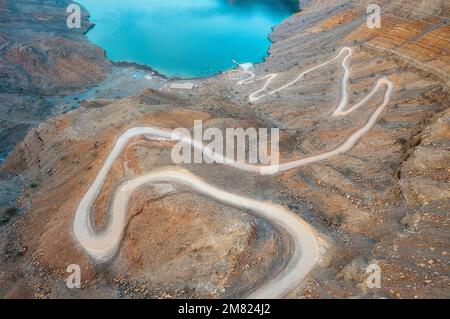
[{"x": 385, "y": 202}]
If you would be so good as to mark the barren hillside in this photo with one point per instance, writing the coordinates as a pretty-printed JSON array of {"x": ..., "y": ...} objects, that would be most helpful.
[{"x": 386, "y": 201}]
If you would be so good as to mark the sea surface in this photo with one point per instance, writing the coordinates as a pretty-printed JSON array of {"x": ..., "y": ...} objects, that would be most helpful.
[{"x": 186, "y": 38}]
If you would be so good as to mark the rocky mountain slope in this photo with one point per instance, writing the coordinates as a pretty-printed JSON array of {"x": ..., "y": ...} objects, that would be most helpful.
[
  {"x": 385, "y": 202},
  {"x": 39, "y": 58}
]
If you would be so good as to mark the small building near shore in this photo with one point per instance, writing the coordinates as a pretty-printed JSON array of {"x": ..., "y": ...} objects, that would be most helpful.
[{"x": 182, "y": 86}]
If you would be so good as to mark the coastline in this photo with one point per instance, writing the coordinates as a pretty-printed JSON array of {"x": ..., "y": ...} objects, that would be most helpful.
[{"x": 149, "y": 68}]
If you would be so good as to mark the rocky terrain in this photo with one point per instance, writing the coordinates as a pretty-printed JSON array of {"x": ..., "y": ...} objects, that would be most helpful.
[
  {"x": 385, "y": 202},
  {"x": 47, "y": 68},
  {"x": 41, "y": 57}
]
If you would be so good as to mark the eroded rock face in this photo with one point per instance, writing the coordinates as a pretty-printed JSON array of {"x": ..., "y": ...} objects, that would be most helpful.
[
  {"x": 384, "y": 202},
  {"x": 425, "y": 175}
]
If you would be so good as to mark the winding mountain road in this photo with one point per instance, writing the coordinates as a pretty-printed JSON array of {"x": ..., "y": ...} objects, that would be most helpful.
[
  {"x": 104, "y": 246},
  {"x": 306, "y": 244}
]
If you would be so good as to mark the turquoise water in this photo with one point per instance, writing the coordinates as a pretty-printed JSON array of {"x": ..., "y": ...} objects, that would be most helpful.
[{"x": 186, "y": 38}]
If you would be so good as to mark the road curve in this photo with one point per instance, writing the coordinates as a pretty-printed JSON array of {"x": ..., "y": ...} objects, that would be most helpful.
[
  {"x": 103, "y": 246},
  {"x": 253, "y": 97},
  {"x": 305, "y": 251}
]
